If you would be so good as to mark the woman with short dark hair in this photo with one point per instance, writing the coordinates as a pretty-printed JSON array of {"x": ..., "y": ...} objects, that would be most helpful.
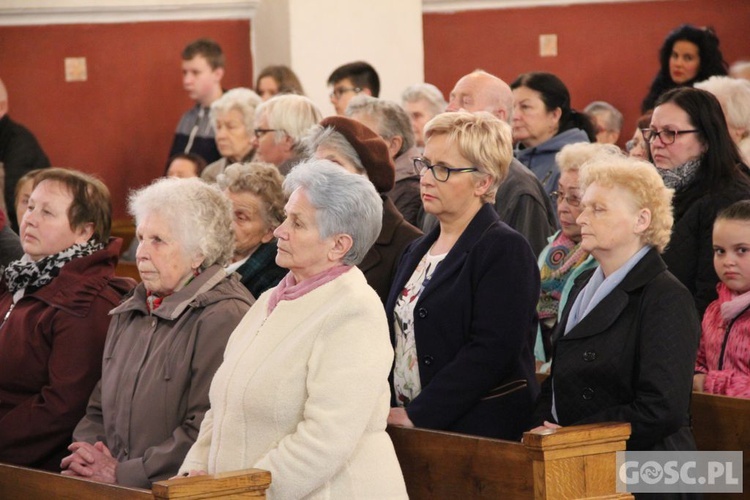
[
  {"x": 544, "y": 122},
  {"x": 54, "y": 303}
]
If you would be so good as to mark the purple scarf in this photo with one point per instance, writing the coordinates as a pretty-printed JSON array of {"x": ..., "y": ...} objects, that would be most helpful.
[{"x": 289, "y": 289}]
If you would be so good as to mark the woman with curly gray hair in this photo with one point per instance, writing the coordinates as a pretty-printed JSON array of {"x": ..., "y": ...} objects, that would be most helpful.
[
  {"x": 258, "y": 208},
  {"x": 165, "y": 341}
]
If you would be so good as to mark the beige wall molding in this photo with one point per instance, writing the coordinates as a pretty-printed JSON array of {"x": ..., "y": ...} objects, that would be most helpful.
[
  {"x": 40, "y": 12},
  {"x": 445, "y": 6}
]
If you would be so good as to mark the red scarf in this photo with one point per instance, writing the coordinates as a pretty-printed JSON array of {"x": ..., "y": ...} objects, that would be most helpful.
[{"x": 289, "y": 289}]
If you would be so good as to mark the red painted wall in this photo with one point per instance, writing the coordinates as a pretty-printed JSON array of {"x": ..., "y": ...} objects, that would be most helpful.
[
  {"x": 119, "y": 123},
  {"x": 605, "y": 51}
]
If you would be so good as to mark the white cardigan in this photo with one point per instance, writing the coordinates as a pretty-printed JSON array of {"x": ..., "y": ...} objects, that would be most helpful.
[{"x": 304, "y": 394}]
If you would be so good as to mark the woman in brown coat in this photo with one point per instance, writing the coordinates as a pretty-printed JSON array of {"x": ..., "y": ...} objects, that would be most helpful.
[{"x": 165, "y": 341}]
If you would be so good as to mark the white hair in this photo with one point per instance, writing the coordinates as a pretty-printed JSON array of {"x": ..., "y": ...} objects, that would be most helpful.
[
  {"x": 199, "y": 215},
  {"x": 290, "y": 115},
  {"x": 428, "y": 93},
  {"x": 243, "y": 100},
  {"x": 345, "y": 203},
  {"x": 392, "y": 118},
  {"x": 612, "y": 116}
]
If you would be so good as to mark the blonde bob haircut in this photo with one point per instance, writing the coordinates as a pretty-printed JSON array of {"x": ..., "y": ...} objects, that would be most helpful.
[
  {"x": 646, "y": 187},
  {"x": 571, "y": 157},
  {"x": 482, "y": 139}
]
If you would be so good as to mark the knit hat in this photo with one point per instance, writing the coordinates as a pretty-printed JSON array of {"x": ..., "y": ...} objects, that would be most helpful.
[{"x": 371, "y": 148}]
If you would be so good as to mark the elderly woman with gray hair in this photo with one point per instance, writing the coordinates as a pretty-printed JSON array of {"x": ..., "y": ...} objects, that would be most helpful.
[
  {"x": 390, "y": 121},
  {"x": 258, "y": 208},
  {"x": 359, "y": 150},
  {"x": 303, "y": 389},
  {"x": 165, "y": 341},
  {"x": 233, "y": 119},
  {"x": 734, "y": 96}
]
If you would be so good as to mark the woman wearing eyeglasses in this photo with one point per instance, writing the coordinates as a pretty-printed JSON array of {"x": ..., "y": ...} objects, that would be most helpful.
[
  {"x": 695, "y": 155},
  {"x": 462, "y": 308},
  {"x": 563, "y": 259},
  {"x": 280, "y": 124}
]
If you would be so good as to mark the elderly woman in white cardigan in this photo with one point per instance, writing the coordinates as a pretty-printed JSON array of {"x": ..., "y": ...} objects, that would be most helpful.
[{"x": 303, "y": 389}]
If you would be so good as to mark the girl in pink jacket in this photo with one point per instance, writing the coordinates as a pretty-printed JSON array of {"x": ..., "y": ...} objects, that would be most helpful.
[{"x": 723, "y": 362}]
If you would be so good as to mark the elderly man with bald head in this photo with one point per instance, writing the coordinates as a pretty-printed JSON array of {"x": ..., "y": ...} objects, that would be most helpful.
[
  {"x": 20, "y": 153},
  {"x": 521, "y": 201}
]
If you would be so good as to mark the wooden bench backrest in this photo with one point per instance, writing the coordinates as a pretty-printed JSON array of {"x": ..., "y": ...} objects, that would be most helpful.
[
  {"x": 20, "y": 483},
  {"x": 571, "y": 462},
  {"x": 721, "y": 423}
]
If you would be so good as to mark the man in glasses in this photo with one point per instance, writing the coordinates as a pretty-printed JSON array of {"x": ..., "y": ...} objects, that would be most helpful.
[
  {"x": 349, "y": 80},
  {"x": 521, "y": 201}
]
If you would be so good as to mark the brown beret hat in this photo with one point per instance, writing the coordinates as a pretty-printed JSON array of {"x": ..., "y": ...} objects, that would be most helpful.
[{"x": 371, "y": 148}]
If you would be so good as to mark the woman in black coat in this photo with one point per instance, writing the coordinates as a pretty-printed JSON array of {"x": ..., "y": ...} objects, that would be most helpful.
[
  {"x": 462, "y": 305},
  {"x": 695, "y": 155},
  {"x": 625, "y": 347}
]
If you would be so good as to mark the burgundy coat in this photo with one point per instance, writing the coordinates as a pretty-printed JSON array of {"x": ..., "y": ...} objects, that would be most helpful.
[{"x": 51, "y": 347}]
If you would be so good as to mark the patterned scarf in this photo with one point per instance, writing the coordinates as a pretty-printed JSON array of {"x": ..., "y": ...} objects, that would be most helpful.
[
  {"x": 25, "y": 273},
  {"x": 563, "y": 258},
  {"x": 679, "y": 177}
]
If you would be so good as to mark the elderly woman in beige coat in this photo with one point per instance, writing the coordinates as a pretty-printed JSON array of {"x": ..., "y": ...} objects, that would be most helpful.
[
  {"x": 165, "y": 341},
  {"x": 303, "y": 389}
]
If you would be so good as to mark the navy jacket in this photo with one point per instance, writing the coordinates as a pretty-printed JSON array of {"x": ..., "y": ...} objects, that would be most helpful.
[
  {"x": 630, "y": 359},
  {"x": 475, "y": 325}
]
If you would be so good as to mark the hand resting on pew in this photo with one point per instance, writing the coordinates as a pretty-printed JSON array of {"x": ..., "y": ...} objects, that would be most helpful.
[
  {"x": 546, "y": 425},
  {"x": 192, "y": 473},
  {"x": 91, "y": 462},
  {"x": 398, "y": 416}
]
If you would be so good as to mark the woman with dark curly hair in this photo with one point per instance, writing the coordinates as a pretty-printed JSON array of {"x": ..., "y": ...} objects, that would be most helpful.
[{"x": 688, "y": 55}]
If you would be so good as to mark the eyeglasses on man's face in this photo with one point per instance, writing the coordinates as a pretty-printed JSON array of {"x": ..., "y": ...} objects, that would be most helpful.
[
  {"x": 570, "y": 199},
  {"x": 259, "y": 132},
  {"x": 667, "y": 136},
  {"x": 339, "y": 91},
  {"x": 440, "y": 172}
]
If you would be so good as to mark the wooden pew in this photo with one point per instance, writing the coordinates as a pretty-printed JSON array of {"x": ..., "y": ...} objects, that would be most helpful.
[
  {"x": 572, "y": 462},
  {"x": 721, "y": 423},
  {"x": 128, "y": 270},
  {"x": 20, "y": 483},
  {"x": 125, "y": 229}
]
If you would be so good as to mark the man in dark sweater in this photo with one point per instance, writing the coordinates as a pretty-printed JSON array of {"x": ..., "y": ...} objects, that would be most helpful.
[
  {"x": 19, "y": 153},
  {"x": 202, "y": 71}
]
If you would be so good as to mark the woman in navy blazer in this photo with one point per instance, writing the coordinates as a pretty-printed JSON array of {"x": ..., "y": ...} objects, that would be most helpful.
[{"x": 462, "y": 308}]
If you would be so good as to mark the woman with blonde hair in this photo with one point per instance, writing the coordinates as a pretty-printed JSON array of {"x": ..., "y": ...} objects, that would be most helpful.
[
  {"x": 626, "y": 345},
  {"x": 462, "y": 308}
]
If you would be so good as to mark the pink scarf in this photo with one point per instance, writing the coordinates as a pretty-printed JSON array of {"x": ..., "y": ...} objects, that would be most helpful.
[
  {"x": 289, "y": 289},
  {"x": 738, "y": 303}
]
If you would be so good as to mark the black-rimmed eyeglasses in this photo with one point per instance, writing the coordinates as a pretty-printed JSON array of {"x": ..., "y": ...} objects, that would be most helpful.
[
  {"x": 667, "y": 136},
  {"x": 440, "y": 172}
]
